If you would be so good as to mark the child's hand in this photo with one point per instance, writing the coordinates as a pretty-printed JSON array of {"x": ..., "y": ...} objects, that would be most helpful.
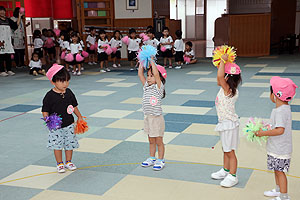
[
  {"x": 259, "y": 133},
  {"x": 224, "y": 57}
]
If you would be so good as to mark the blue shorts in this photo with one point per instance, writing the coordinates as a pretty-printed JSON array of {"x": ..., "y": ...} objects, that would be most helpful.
[{"x": 63, "y": 138}]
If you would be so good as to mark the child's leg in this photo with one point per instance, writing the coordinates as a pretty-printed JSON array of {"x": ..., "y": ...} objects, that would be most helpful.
[
  {"x": 79, "y": 67},
  {"x": 193, "y": 61},
  {"x": 101, "y": 64},
  {"x": 67, "y": 66},
  {"x": 69, "y": 154},
  {"x": 131, "y": 64},
  {"x": 281, "y": 180},
  {"x": 58, "y": 155},
  {"x": 152, "y": 146},
  {"x": 106, "y": 63},
  {"x": 165, "y": 61},
  {"x": 232, "y": 161},
  {"x": 170, "y": 61},
  {"x": 160, "y": 147},
  {"x": 114, "y": 60},
  {"x": 119, "y": 61},
  {"x": 226, "y": 161}
]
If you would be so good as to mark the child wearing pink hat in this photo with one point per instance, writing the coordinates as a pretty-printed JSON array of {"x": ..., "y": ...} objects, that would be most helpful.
[
  {"x": 154, "y": 123},
  {"x": 279, "y": 143},
  {"x": 62, "y": 101},
  {"x": 229, "y": 78}
]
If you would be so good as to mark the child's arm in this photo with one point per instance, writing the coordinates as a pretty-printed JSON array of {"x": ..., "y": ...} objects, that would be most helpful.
[
  {"x": 156, "y": 74},
  {"x": 221, "y": 75},
  {"x": 141, "y": 74},
  {"x": 273, "y": 132},
  {"x": 45, "y": 114},
  {"x": 77, "y": 113}
]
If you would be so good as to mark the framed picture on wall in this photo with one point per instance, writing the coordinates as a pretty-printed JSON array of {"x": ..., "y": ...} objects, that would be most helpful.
[{"x": 131, "y": 4}]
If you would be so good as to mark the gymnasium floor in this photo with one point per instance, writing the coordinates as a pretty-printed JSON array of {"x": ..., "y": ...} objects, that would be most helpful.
[{"x": 110, "y": 152}]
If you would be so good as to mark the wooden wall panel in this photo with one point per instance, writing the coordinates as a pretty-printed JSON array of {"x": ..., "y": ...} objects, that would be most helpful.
[
  {"x": 140, "y": 22},
  {"x": 250, "y": 34}
]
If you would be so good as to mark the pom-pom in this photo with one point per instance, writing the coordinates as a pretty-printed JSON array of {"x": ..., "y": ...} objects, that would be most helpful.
[
  {"x": 94, "y": 46},
  {"x": 85, "y": 54},
  {"x": 253, "y": 125},
  {"x": 69, "y": 57},
  {"x": 125, "y": 40},
  {"x": 146, "y": 54},
  {"x": 163, "y": 48},
  {"x": 81, "y": 127},
  {"x": 63, "y": 55},
  {"x": 114, "y": 49},
  {"x": 49, "y": 43},
  {"x": 12, "y": 56},
  {"x": 79, "y": 58},
  {"x": 186, "y": 59},
  {"x": 144, "y": 37},
  {"x": 221, "y": 50},
  {"x": 108, "y": 49},
  {"x": 56, "y": 31},
  {"x": 53, "y": 121},
  {"x": 22, "y": 10}
]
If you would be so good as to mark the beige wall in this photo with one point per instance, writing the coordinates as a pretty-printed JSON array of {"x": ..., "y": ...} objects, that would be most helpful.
[{"x": 144, "y": 10}]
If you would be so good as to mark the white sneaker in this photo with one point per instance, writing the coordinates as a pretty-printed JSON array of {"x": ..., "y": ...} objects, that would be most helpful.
[
  {"x": 90, "y": 63},
  {"x": 115, "y": 66},
  {"x": 70, "y": 166},
  {"x": 131, "y": 69},
  {"x": 159, "y": 165},
  {"x": 10, "y": 73},
  {"x": 82, "y": 68},
  {"x": 74, "y": 73},
  {"x": 229, "y": 181},
  {"x": 95, "y": 63},
  {"x": 102, "y": 70},
  {"x": 221, "y": 174},
  {"x": 61, "y": 168},
  {"x": 107, "y": 69},
  {"x": 170, "y": 67},
  {"x": 3, "y": 74},
  {"x": 147, "y": 163},
  {"x": 78, "y": 73},
  {"x": 271, "y": 193},
  {"x": 119, "y": 65},
  {"x": 178, "y": 67},
  {"x": 278, "y": 198}
]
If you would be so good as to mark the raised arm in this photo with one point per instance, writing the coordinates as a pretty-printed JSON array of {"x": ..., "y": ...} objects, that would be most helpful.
[
  {"x": 221, "y": 75},
  {"x": 156, "y": 74},
  {"x": 141, "y": 74}
]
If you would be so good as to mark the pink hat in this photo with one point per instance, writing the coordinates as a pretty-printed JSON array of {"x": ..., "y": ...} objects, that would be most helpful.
[
  {"x": 53, "y": 70},
  {"x": 283, "y": 88},
  {"x": 232, "y": 68},
  {"x": 162, "y": 71}
]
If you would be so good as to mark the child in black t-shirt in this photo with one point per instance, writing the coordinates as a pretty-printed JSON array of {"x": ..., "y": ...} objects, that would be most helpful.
[{"x": 62, "y": 101}]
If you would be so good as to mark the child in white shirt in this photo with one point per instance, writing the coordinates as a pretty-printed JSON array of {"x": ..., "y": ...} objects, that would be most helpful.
[
  {"x": 102, "y": 56},
  {"x": 36, "y": 65},
  {"x": 179, "y": 49},
  {"x": 90, "y": 41},
  {"x": 116, "y": 42},
  {"x": 189, "y": 52},
  {"x": 133, "y": 47},
  {"x": 167, "y": 42},
  {"x": 152, "y": 41}
]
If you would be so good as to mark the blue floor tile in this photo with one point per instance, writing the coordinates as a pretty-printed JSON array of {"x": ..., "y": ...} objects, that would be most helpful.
[
  {"x": 199, "y": 103},
  {"x": 206, "y": 141},
  {"x": 296, "y": 125},
  {"x": 113, "y": 133},
  {"x": 176, "y": 126},
  {"x": 17, "y": 193},
  {"x": 276, "y": 74},
  {"x": 202, "y": 119},
  {"x": 20, "y": 108},
  {"x": 295, "y": 108}
]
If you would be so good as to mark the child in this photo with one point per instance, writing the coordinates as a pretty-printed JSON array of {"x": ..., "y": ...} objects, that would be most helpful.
[
  {"x": 154, "y": 124},
  {"x": 64, "y": 45},
  {"x": 116, "y": 42},
  {"x": 102, "y": 56},
  {"x": 133, "y": 47},
  {"x": 75, "y": 48},
  {"x": 167, "y": 41},
  {"x": 152, "y": 41},
  {"x": 62, "y": 101},
  {"x": 49, "y": 45},
  {"x": 279, "y": 143},
  {"x": 38, "y": 43},
  {"x": 229, "y": 77},
  {"x": 179, "y": 49},
  {"x": 36, "y": 65},
  {"x": 189, "y": 52},
  {"x": 90, "y": 41}
]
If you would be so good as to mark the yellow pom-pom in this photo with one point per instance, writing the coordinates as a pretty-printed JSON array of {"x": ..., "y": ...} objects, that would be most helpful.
[{"x": 221, "y": 50}]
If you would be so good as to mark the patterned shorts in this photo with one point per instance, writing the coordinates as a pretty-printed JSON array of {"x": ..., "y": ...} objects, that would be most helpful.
[
  {"x": 63, "y": 138},
  {"x": 277, "y": 164}
]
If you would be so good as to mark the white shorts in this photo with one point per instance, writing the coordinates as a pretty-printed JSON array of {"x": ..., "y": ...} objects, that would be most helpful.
[{"x": 229, "y": 135}]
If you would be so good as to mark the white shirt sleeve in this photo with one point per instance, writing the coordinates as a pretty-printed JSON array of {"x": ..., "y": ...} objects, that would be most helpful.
[{"x": 30, "y": 64}]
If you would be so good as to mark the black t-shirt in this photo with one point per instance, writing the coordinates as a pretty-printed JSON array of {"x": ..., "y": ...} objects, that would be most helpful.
[
  {"x": 8, "y": 22},
  {"x": 62, "y": 104}
]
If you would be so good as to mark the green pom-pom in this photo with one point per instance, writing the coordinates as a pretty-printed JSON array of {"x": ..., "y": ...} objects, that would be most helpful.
[{"x": 254, "y": 125}]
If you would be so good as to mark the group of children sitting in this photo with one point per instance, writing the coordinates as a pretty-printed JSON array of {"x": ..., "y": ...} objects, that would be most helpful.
[{"x": 69, "y": 42}]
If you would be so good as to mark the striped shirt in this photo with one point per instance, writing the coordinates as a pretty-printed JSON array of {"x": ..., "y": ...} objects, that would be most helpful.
[{"x": 152, "y": 99}]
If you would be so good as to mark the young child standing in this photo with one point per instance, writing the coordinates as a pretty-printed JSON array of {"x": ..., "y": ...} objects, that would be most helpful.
[
  {"x": 90, "y": 41},
  {"x": 116, "y": 42},
  {"x": 154, "y": 123},
  {"x": 179, "y": 49},
  {"x": 38, "y": 43},
  {"x": 64, "y": 45},
  {"x": 133, "y": 47},
  {"x": 152, "y": 41},
  {"x": 75, "y": 48},
  {"x": 167, "y": 42},
  {"x": 36, "y": 65},
  {"x": 279, "y": 143},
  {"x": 102, "y": 56},
  {"x": 229, "y": 77},
  {"x": 62, "y": 101},
  {"x": 49, "y": 45},
  {"x": 189, "y": 52}
]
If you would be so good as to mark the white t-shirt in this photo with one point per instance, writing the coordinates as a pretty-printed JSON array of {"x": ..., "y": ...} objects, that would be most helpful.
[
  {"x": 166, "y": 40},
  {"x": 90, "y": 40},
  {"x": 134, "y": 44},
  {"x": 152, "y": 99},
  {"x": 115, "y": 43},
  {"x": 35, "y": 64},
  {"x": 65, "y": 45},
  {"x": 38, "y": 43},
  {"x": 75, "y": 48},
  {"x": 190, "y": 53},
  {"x": 179, "y": 45},
  {"x": 154, "y": 42},
  {"x": 81, "y": 43},
  {"x": 101, "y": 43},
  {"x": 281, "y": 146}
]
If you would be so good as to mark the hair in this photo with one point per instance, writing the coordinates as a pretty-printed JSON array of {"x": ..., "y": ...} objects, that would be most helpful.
[
  {"x": 36, "y": 34},
  {"x": 35, "y": 53},
  {"x": 74, "y": 34},
  {"x": 16, "y": 12},
  {"x": 151, "y": 31},
  {"x": 61, "y": 76},
  {"x": 132, "y": 30},
  {"x": 178, "y": 34},
  {"x": 189, "y": 43},
  {"x": 102, "y": 31},
  {"x": 163, "y": 80},
  {"x": 44, "y": 30},
  {"x": 149, "y": 27},
  {"x": 165, "y": 28},
  {"x": 117, "y": 31},
  {"x": 233, "y": 82},
  {"x": 66, "y": 35},
  {"x": 2, "y": 8},
  {"x": 91, "y": 29}
]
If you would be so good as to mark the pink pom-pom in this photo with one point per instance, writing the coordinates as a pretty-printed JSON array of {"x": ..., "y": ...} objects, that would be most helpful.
[
  {"x": 142, "y": 35},
  {"x": 108, "y": 49},
  {"x": 49, "y": 43},
  {"x": 187, "y": 59},
  {"x": 69, "y": 57},
  {"x": 56, "y": 31},
  {"x": 125, "y": 40},
  {"x": 12, "y": 56},
  {"x": 92, "y": 47},
  {"x": 79, "y": 58},
  {"x": 22, "y": 10},
  {"x": 145, "y": 38},
  {"x": 63, "y": 55},
  {"x": 85, "y": 54},
  {"x": 114, "y": 49},
  {"x": 163, "y": 48}
]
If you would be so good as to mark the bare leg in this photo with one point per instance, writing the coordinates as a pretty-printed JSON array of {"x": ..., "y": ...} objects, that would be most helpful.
[
  {"x": 226, "y": 161},
  {"x": 69, "y": 154},
  {"x": 232, "y": 161},
  {"x": 165, "y": 61},
  {"x": 170, "y": 61},
  {"x": 193, "y": 61},
  {"x": 101, "y": 64},
  {"x": 282, "y": 181},
  {"x": 58, "y": 155},
  {"x": 152, "y": 146},
  {"x": 79, "y": 67},
  {"x": 160, "y": 147}
]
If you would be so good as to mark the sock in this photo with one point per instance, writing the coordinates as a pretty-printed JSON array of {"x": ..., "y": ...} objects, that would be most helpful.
[
  {"x": 160, "y": 159},
  {"x": 277, "y": 188},
  {"x": 226, "y": 170},
  {"x": 68, "y": 161},
  {"x": 233, "y": 175},
  {"x": 60, "y": 163},
  {"x": 153, "y": 158},
  {"x": 284, "y": 196}
]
